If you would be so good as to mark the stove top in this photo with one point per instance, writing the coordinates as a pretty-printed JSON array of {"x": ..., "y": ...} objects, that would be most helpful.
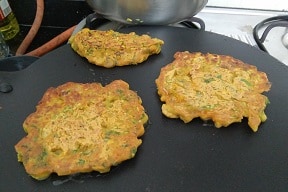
[
  {"x": 95, "y": 21},
  {"x": 240, "y": 24}
]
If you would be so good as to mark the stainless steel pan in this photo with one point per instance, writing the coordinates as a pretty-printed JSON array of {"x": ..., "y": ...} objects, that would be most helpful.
[{"x": 155, "y": 12}]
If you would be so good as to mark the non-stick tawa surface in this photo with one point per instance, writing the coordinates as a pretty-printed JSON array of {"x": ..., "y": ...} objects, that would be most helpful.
[{"x": 174, "y": 156}]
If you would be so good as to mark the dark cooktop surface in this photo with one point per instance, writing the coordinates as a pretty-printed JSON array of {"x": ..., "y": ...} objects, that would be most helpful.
[{"x": 173, "y": 156}]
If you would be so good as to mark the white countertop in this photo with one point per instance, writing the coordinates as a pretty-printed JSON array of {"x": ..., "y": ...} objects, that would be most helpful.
[{"x": 239, "y": 24}]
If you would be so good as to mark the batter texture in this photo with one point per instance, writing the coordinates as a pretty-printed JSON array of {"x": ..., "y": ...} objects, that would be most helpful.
[
  {"x": 82, "y": 128},
  {"x": 111, "y": 48},
  {"x": 213, "y": 87}
]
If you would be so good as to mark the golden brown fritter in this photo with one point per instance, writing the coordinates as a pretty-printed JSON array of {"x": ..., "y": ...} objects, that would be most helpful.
[
  {"x": 82, "y": 128},
  {"x": 111, "y": 48},
  {"x": 213, "y": 87}
]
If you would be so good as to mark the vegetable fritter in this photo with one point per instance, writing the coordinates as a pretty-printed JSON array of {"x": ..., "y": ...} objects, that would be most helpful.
[
  {"x": 111, "y": 48},
  {"x": 82, "y": 128},
  {"x": 213, "y": 87}
]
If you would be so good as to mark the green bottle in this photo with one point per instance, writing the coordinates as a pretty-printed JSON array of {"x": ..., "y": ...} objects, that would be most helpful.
[{"x": 9, "y": 26}]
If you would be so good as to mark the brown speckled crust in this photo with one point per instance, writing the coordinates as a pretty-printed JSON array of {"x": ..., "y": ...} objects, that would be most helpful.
[
  {"x": 110, "y": 48},
  {"x": 82, "y": 128},
  {"x": 216, "y": 87}
]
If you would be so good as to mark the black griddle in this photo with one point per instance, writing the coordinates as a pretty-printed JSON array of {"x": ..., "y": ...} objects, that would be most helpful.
[{"x": 174, "y": 156}]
